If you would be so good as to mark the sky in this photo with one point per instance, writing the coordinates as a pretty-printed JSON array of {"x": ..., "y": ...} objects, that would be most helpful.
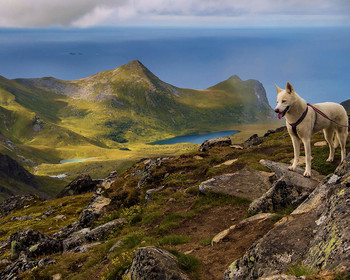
[{"x": 193, "y": 13}]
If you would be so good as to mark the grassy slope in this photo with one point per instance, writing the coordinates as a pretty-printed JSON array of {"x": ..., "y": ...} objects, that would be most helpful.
[
  {"x": 112, "y": 110},
  {"x": 176, "y": 212}
]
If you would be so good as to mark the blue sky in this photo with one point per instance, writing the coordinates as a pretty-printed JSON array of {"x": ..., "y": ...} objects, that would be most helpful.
[{"x": 187, "y": 13}]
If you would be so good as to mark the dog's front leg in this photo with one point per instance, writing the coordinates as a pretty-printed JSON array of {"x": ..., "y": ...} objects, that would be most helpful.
[
  {"x": 307, "y": 148},
  {"x": 296, "y": 148}
]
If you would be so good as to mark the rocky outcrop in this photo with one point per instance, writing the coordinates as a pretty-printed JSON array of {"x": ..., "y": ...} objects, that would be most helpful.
[
  {"x": 84, "y": 235},
  {"x": 94, "y": 209},
  {"x": 81, "y": 184},
  {"x": 154, "y": 263},
  {"x": 245, "y": 183},
  {"x": 108, "y": 181},
  {"x": 23, "y": 264},
  {"x": 253, "y": 140},
  {"x": 221, "y": 141},
  {"x": 33, "y": 243},
  {"x": 316, "y": 235},
  {"x": 15, "y": 202},
  {"x": 290, "y": 189}
]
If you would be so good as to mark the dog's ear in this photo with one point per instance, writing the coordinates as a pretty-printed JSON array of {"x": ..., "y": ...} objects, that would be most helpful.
[
  {"x": 278, "y": 89},
  {"x": 289, "y": 88}
]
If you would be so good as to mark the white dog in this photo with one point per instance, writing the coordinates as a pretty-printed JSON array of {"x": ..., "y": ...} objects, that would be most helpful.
[{"x": 303, "y": 120}]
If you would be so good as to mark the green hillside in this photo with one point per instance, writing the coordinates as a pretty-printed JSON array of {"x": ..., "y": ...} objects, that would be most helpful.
[{"x": 111, "y": 116}]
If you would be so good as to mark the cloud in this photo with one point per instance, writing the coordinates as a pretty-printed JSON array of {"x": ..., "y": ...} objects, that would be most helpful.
[
  {"x": 85, "y": 13},
  {"x": 42, "y": 13}
]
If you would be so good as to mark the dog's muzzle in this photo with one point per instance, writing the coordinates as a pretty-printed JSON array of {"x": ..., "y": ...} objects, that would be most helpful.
[{"x": 281, "y": 114}]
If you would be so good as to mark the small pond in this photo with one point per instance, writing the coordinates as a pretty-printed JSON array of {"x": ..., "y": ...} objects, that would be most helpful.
[
  {"x": 194, "y": 139},
  {"x": 75, "y": 160}
]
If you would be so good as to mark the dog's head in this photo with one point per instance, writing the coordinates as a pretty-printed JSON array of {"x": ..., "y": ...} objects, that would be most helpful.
[{"x": 284, "y": 99}]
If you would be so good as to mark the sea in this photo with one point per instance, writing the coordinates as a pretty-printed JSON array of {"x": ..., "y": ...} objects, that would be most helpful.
[{"x": 316, "y": 61}]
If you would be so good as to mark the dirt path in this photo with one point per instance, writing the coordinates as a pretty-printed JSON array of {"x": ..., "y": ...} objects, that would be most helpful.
[{"x": 206, "y": 224}]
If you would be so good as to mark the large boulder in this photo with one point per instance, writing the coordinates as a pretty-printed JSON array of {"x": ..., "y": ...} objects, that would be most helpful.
[
  {"x": 81, "y": 184},
  {"x": 316, "y": 235},
  {"x": 245, "y": 183},
  {"x": 89, "y": 235},
  {"x": 290, "y": 189},
  {"x": 152, "y": 263},
  {"x": 33, "y": 243},
  {"x": 221, "y": 141}
]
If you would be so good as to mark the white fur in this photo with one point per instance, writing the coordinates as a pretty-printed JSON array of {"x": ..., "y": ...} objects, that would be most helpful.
[{"x": 312, "y": 123}]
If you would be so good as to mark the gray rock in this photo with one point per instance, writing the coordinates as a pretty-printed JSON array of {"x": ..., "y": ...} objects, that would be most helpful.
[
  {"x": 291, "y": 189},
  {"x": 83, "y": 248},
  {"x": 152, "y": 263},
  {"x": 15, "y": 202},
  {"x": 33, "y": 243},
  {"x": 21, "y": 265},
  {"x": 86, "y": 235},
  {"x": 315, "y": 236},
  {"x": 253, "y": 140},
  {"x": 245, "y": 183},
  {"x": 221, "y": 141},
  {"x": 94, "y": 209},
  {"x": 102, "y": 231},
  {"x": 75, "y": 239},
  {"x": 81, "y": 184},
  {"x": 108, "y": 181}
]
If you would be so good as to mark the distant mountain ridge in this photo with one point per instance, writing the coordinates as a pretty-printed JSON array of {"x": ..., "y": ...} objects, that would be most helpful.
[
  {"x": 346, "y": 105},
  {"x": 127, "y": 104}
]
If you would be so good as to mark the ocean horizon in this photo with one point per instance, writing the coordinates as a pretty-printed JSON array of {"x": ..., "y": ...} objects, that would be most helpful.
[{"x": 315, "y": 60}]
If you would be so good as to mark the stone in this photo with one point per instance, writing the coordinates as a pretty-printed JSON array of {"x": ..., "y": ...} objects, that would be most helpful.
[
  {"x": 108, "y": 181},
  {"x": 80, "y": 185},
  {"x": 253, "y": 140},
  {"x": 221, "y": 141},
  {"x": 75, "y": 239},
  {"x": 223, "y": 234},
  {"x": 85, "y": 235},
  {"x": 238, "y": 147},
  {"x": 290, "y": 189},
  {"x": 227, "y": 163},
  {"x": 102, "y": 231},
  {"x": 320, "y": 144},
  {"x": 94, "y": 209},
  {"x": 15, "y": 202},
  {"x": 83, "y": 248},
  {"x": 33, "y": 243},
  {"x": 198, "y": 157},
  {"x": 23, "y": 264},
  {"x": 152, "y": 263},
  {"x": 245, "y": 183},
  {"x": 316, "y": 235}
]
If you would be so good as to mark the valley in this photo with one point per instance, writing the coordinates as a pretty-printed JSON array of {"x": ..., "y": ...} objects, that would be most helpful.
[{"x": 110, "y": 117}]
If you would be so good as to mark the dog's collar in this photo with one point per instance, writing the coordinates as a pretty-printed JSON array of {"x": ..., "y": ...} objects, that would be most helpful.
[{"x": 302, "y": 117}]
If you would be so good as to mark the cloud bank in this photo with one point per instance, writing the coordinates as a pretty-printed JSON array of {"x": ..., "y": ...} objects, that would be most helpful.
[{"x": 85, "y": 13}]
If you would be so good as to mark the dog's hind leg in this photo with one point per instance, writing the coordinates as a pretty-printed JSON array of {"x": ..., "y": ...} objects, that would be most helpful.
[
  {"x": 342, "y": 135},
  {"x": 296, "y": 147},
  {"x": 329, "y": 136},
  {"x": 307, "y": 148}
]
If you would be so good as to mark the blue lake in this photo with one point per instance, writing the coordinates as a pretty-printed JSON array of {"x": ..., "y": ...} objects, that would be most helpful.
[
  {"x": 194, "y": 139},
  {"x": 75, "y": 160}
]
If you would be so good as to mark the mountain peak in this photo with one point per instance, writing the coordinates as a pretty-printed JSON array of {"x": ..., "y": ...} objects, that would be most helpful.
[{"x": 235, "y": 78}]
